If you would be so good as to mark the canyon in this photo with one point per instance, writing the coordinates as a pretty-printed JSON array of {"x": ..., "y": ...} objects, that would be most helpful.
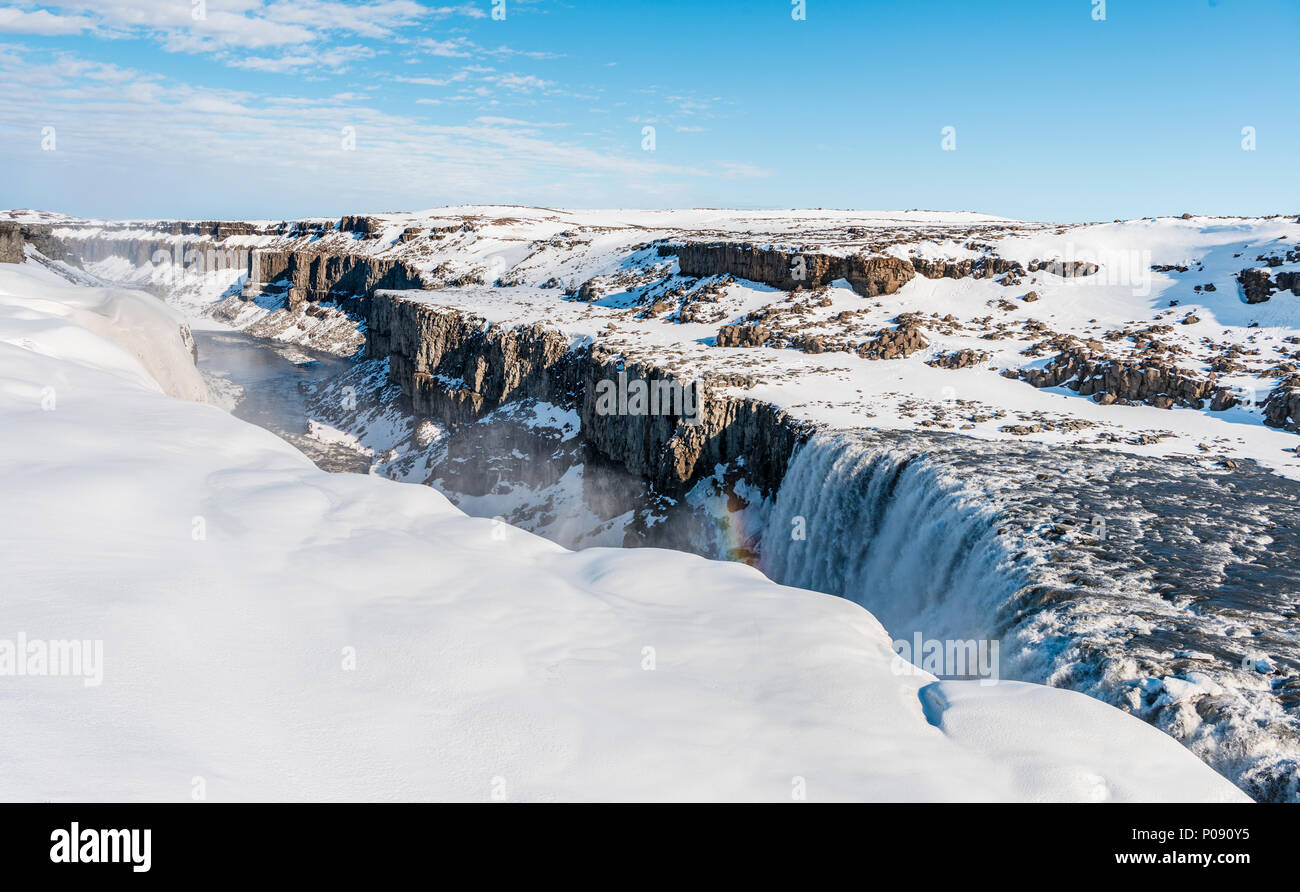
[{"x": 944, "y": 402}]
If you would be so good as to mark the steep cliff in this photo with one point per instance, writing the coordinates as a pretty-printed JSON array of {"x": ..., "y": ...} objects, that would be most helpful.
[
  {"x": 11, "y": 243},
  {"x": 787, "y": 268},
  {"x": 456, "y": 368},
  {"x": 315, "y": 276}
]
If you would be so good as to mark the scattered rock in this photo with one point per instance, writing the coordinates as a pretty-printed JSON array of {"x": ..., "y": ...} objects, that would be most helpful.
[
  {"x": 1282, "y": 405},
  {"x": 1154, "y": 382},
  {"x": 895, "y": 343},
  {"x": 958, "y": 359},
  {"x": 1256, "y": 286}
]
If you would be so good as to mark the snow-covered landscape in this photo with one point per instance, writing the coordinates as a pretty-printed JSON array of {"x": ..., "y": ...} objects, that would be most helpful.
[
  {"x": 393, "y": 574},
  {"x": 231, "y": 582},
  {"x": 416, "y": 404}
]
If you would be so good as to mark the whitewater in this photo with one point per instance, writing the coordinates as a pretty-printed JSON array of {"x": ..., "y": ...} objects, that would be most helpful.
[{"x": 1158, "y": 586}]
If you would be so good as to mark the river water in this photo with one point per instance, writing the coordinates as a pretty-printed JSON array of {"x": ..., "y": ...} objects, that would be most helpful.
[{"x": 273, "y": 376}]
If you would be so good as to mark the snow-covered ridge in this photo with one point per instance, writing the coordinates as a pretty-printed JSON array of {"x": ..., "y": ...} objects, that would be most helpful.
[{"x": 276, "y": 632}]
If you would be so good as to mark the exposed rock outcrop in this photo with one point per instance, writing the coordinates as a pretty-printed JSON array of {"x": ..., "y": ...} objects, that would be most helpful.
[
  {"x": 1282, "y": 405},
  {"x": 904, "y": 339},
  {"x": 978, "y": 267},
  {"x": 1256, "y": 286},
  {"x": 197, "y": 251},
  {"x": 11, "y": 243},
  {"x": 1155, "y": 383},
  {"x": 367, "y": 227},
  {"x": 743, "y": 334},
  {"x": 868, "y": 275},
  {"x": 672, "y": 453},
  {"x": 788, "y": 269},
  {"x": 958, "y": 359},
  {"x": 457, "y": 368}
]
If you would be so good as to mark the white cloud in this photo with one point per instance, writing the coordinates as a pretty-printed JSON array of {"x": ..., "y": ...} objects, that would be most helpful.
[
  {"x": 465, "y": 9},
  {"x": 180, "y": 26},
  {"x": 375, "y": 20},
  {"x": 15, "y": 21},
  {"x": 273, "y": 145},
  {"x": 734, "y": 170},
  {"x": 457, "y": 47},
  {"x": 333, "y": 59},
  {"x": 432, "y": 81},
  {"x": 525, "y": 82}
]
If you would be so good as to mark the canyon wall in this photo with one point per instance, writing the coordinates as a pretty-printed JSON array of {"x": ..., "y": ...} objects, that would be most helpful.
[
  {"x": 456, "y": 367},
  {"x": 316, "y": 276},
  {"x": 788, "y": 269},
  {"x": 868, "y": 275}
]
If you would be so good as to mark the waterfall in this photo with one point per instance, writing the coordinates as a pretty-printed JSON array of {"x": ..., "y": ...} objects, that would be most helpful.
[{"x": 878, "y": 523}]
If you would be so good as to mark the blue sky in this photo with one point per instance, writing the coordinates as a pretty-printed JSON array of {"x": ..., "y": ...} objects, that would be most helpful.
[{"x": 287, "y": 108}]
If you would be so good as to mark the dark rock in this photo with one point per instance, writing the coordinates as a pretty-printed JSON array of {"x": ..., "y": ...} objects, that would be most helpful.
[
  {"x": 958, "y": 359},
  {"x": 788, "y": 269},
  {"x": 1153, "y": 382},
  {"x": 743, "y": 334},
  {"x": 368, "y": 227},
  {"x": 895, "y": 343},
  {"x": 323, "y": 276},
  {"x": 1256, "y": 286},
  {"x": 1222, "y": 399},
  {"x": 978, "y": 268},
  {"x": 457, "y": 368},
  {"x": 1282, "y": 405}
]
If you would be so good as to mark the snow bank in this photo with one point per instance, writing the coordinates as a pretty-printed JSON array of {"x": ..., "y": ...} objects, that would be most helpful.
[
  {"x": 270, "y": 631},
  {"x": 129, "y": 332}
]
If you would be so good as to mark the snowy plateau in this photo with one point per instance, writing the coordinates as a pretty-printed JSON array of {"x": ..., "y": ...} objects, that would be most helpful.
[{"x": 339, "y": 503}]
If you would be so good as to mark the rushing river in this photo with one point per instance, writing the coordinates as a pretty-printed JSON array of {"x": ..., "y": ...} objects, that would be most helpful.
[{"x": 272, "y": 376}]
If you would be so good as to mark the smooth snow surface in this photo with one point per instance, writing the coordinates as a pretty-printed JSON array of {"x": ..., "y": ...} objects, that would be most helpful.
[{"x": 231, "y": 583}]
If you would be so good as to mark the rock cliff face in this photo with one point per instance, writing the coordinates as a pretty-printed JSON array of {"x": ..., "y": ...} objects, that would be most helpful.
[
  {"x": 318, "y": 276},
  {"x": 959, "y": 269},
  {"x": 788, "y": 269},
  {"x": 201, "y": 250},
  {"x": 305, "y": 275},
  {"x": 868, "y": 275},
  {"x": 11, "y": 243},
  {"x": 457, "y": 368},
  {"x": 673, "y": 452},
  {"x": 220, "y": 229}
]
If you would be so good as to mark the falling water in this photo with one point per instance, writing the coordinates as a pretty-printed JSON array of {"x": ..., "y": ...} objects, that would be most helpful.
[{"x": 883, "y": 526}]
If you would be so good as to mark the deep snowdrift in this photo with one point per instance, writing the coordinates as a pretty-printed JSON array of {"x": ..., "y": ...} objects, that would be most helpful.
[{"x": 271, "y": 631}]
